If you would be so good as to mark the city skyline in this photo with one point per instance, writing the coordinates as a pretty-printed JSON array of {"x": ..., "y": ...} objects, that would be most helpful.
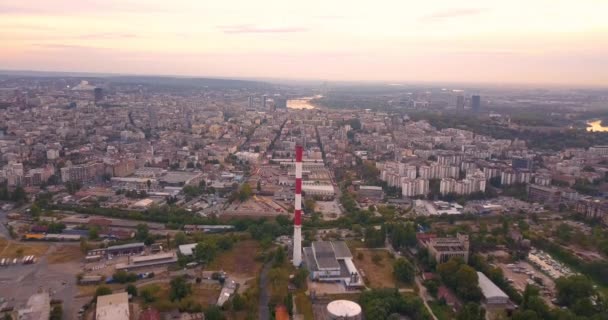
[{"x": 544, "y": 42}]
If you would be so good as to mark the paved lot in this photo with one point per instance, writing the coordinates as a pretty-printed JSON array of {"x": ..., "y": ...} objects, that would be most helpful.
[{"x": 18, "y": 283}]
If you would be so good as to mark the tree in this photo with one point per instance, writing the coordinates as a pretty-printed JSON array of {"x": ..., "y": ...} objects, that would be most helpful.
[
  {"x": 35, "y": 210},
  {"x": 7, "y": 316},
  {"x": 572, "y": 289},
  {"x": 238, "y": 302},
  {"x": 147, "y": 294},
  {"x": 93, "y": 233},
  {"x": 205, "y": 251},
  {"x": 213, "y": 313},
  {"x": 259, "y": 186},
  {"x": 102, "y": 291},
  {"x": 244, "y": 192},
  {"x": 132, "y": 290},
  {"x": 72, "y": 187},
  {"x": 179, "y": 288},
  {"x": 56, "y": 313},
  {"x": 403, "y": 270},
  {"x": 471, "y": 311},
  {"x": 142, "y": 232},
  {"x": 180, "y": 238}
]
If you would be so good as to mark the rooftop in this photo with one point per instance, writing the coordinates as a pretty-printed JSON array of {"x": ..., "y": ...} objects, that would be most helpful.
[
  {"x": 488, "y": 288},
  {"x": 113, "y": 307}
]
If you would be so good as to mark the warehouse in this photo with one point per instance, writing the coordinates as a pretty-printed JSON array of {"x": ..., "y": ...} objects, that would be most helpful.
[
  {"x": 151, "y": 261},
  {"x": 331, "y": 261},
  {"x": 491, "y": 293},
  {"x": 126, "y": 249}
]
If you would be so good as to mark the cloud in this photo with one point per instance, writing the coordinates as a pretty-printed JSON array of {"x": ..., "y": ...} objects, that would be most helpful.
[
  {"x": 106, "y": 35},
  {"x": 247, "y": 28},
  {"x": 61, "y": 46},
  {"x": 70, "y": 7},
  {"x": 453, "y": 13}
]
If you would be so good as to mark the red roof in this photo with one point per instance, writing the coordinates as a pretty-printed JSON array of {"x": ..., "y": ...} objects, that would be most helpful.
[
  {"x": 100, "y": 222},
  {"x": 150, "y": 314},
  {"x": 280, "y": 313},
  {"x": 448, "y": 296}
]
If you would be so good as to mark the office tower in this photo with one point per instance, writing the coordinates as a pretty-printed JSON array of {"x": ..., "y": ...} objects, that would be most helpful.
[
  {"x": 460, "y": 102},
  {"x": 98, "y": 94},
  {"x": 476, "y": 103}
]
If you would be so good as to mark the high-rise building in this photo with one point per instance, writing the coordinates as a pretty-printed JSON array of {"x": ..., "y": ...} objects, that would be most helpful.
[
  {"x": 98, "y": 94},
  {"x": 250, "y": 102},
  {"x": 460, "y": 102},
  {"x": 476, "y": 103},
  {"x": 280, "y": 103}
]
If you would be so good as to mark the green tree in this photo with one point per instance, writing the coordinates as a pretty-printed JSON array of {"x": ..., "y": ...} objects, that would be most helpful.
[
  {"x": 142, "y": 232},
  {"x": 132, "y": 290},
  {"x": 205, "y": 251},
  {"x": 403, "y": 270},
  {"x": 179, "y": 288},
  {"x": 214, "y": 313},
  {"x": 244, "y": 192},
  {"x": 238, "y": 302},
  {"x": 180, "y": 238},
  {"x": 471, "y": 311},
  {"x": 102, "y": 291},
  {"x": 56, "y": 312},
  {"x": 93, "y": 233}
]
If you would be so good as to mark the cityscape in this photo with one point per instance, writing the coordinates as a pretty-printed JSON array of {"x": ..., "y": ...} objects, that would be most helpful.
[{"x": 209, "y": 193}]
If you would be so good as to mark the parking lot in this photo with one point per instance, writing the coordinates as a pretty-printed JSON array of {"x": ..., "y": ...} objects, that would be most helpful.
[{"x": 523, "y": 273}]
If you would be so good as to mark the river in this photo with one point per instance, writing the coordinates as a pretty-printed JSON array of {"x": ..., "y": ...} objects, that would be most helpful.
[
  {"x": 301, "y": 103},
  {"x": 596, "y": 126}
]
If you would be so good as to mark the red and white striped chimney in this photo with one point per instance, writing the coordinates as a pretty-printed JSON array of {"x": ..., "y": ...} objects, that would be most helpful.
[{"x": 297, "y": 219}]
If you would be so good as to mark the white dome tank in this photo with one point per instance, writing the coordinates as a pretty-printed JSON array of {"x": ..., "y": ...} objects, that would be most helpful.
[{"x": 343, "y": 310}]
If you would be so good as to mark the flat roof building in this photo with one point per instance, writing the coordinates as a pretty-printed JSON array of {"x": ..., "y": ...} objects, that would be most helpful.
[
  {"x": 151, "y": 261},
  {"x": 331, "y": 261},
  {"x": 444, "y": 249},
  {"x": 113, "y": 307}
]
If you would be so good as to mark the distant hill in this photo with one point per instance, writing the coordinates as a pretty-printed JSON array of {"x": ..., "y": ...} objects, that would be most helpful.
[{"x": 169, "y": 81}]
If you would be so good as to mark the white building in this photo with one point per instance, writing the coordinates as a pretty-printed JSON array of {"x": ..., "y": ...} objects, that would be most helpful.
[{"x": 491, "y": 293}]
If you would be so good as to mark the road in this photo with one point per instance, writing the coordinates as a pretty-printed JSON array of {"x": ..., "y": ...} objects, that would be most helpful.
[
  {"x": 422, "y": 292},
  {"x": 263, "y": 313}
]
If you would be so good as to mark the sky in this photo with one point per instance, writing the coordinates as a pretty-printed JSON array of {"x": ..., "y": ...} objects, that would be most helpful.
[{"x": 473, "y": 41}]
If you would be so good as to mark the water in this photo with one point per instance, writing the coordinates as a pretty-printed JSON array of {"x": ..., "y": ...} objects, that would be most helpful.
[
  {"x": 596, "y": 126},
  {"x": 301, "y": 103}
]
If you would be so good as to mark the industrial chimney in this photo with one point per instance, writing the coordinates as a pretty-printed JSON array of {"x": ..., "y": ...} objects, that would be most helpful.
[{"x": 297, "y": 219}]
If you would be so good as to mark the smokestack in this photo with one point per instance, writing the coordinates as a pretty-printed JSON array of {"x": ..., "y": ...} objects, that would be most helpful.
[{"x": 297, "y": 219}]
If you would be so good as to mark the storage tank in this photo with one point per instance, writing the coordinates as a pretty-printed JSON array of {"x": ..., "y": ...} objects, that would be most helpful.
[{"x": 343, "y": 310}]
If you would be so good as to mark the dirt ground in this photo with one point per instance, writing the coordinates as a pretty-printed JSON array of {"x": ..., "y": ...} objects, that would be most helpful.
[
  {"x": 65, "y": 254},
  {"x": 13, "y": 249},
  {"x": 378, "y": 275},
  {"x": 239, "y": 261}
]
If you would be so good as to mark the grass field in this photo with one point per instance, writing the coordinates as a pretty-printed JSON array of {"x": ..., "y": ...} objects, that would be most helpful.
[
  {"x": 442, "y": 312},
  {"x": 65, "y": 254},
  {"x": 13, "y": 249},
  {"x": 205, "y": 294},
  {"x": 304, "y": 306},
  {"x": 378, "y": 275},
  {"x": 240, "y": 260}
]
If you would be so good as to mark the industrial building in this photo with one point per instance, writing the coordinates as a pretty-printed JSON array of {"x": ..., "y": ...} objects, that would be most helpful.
[
  {"x": 443, "y": 249},
  {"x": 151, "y": 261},
  {"x": 126, "y": 249},
  {"x": 113, "y": 307},
  {"x": 332, "y": 261},
  {"x": 491, "y": 293}
]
